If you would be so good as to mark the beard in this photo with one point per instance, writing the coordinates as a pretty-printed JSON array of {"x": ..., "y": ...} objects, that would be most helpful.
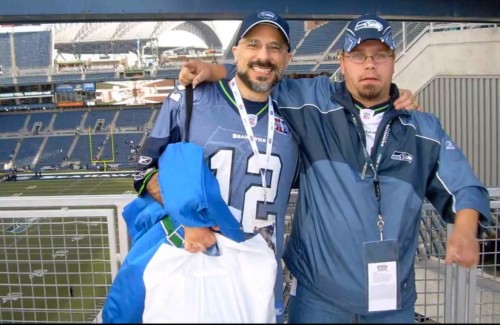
[
  {"x": 261, "y": 85},
  {"x": 370, "y": 92}
]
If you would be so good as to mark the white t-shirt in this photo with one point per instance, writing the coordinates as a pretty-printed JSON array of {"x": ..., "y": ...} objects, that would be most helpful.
[{"x": 370, "y": 124}]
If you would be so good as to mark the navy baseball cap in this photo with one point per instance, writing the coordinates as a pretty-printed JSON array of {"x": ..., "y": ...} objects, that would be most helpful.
[
  {"x": 366, "y": 27},
  {"x": 264, "y": 17}
]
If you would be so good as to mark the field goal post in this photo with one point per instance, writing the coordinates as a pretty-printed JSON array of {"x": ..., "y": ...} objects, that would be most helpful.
[{"x": 104, "y": 162}]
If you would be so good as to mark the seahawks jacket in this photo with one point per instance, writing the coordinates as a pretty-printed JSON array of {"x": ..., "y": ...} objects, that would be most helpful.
[{"x": 337, "y": 208}]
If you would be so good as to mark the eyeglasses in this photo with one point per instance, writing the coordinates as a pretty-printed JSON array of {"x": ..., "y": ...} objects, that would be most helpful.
[
  {"x": 256, "y": 45},
  {"x": 360, "y": 58}
]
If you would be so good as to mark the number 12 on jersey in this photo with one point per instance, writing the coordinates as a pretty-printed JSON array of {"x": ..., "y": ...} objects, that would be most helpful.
[{"x": 222, "y": 162}]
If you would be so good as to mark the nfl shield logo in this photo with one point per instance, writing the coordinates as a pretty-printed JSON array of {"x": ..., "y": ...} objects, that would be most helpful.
[{"x": 252, "y": 118}]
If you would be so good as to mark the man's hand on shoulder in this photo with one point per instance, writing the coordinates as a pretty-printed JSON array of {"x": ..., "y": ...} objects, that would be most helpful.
[
  {"x": 196, "y": 71},
  {"x": 406, "y": 100}
]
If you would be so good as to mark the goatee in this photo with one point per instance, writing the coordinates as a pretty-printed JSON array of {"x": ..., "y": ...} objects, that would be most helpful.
[{"x": 261, "y": 85}]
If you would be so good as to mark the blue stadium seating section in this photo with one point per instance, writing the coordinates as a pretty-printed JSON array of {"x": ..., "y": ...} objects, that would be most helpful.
[
  {"x": 167, "y": 73},
  {"x": 5, "y": 51},
  {"x": 45, "y": 118},
  {"x": 30, "y": 80},
  {"x": 123, "y": 147},
  {"x": 7, "y": 81},
  {"x": 68, "y": 119},
  {"x": 66, "y": 77},
  {"x": 33, "y": 49},
  {"x": 7, "y": 147},
  {"x": 81, "y": 151},
  {"x": 96, "y": 141},
  {"x": 100, "y": 76},
  {"x": 320, "y": 38},
  {"x": 328, "y": 67},
  {"x": 96, "y": 114},
  {"x": 299, "y": 68},
  {"x": 55, "y": 150},
  {"x": 297, "y": 31},
  {"x": 12, "y": 122},
  {"x": 133, "y": 117},
  {"x": 107, "y": 153},
  {"x": 27, "y": 152}
]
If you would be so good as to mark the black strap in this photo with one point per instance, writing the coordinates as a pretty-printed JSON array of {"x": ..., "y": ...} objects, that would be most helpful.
[{"x": 189, "y": 111}]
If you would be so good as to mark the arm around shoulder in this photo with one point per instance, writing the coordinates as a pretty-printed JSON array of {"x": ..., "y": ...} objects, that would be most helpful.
[{"x": 197, "y": 71}]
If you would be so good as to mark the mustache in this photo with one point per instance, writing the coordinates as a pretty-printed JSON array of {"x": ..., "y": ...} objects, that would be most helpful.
[{"x": 263, "y": 64}]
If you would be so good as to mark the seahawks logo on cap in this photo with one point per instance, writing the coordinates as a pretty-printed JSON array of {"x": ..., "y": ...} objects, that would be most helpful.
[
  {"x": 368, "y": 23},
  {"x": 267, "y": 15}
]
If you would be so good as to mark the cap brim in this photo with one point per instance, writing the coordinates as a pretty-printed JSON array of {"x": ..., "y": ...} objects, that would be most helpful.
[{"x": 354, "y": 41}]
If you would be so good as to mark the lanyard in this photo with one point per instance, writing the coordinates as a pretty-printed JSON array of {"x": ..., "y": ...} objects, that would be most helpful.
[
  {"x": 374, "y": 167},
  {"x": 251, "y": 138}
]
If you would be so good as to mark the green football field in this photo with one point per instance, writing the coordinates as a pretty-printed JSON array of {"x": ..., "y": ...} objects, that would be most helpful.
[
  {"x": 89, "y": 186},
  {"x": 55, "y": 269}
]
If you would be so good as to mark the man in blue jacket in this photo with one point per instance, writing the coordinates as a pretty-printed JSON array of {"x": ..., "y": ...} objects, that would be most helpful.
[
  {"x": 365, "y": 170},
  {"x": 355, "y": 231}
]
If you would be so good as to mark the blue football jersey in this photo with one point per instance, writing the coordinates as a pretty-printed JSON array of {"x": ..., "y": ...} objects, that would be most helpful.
[{"x": 216, "y": 126}]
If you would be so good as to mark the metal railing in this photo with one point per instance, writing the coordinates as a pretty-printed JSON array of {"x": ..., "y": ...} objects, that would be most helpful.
[{"x": 59, "y": 256}]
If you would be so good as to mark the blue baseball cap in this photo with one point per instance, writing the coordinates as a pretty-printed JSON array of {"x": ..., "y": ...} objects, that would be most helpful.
[
  {"x": 367, "y": 27},
  {"x": 264, "y": 17}
]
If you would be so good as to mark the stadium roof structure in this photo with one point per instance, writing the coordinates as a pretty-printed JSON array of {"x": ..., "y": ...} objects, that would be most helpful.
[
  {"x": 124, "y": 37},
  {"x": 36, "y": 11}
]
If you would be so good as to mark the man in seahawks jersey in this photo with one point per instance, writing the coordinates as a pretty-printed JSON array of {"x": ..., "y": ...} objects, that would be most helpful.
[{"x": 246, "y": 143}]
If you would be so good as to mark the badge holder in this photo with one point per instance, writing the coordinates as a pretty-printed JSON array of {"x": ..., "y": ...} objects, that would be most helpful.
[{"x": 381, "y": 265}]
